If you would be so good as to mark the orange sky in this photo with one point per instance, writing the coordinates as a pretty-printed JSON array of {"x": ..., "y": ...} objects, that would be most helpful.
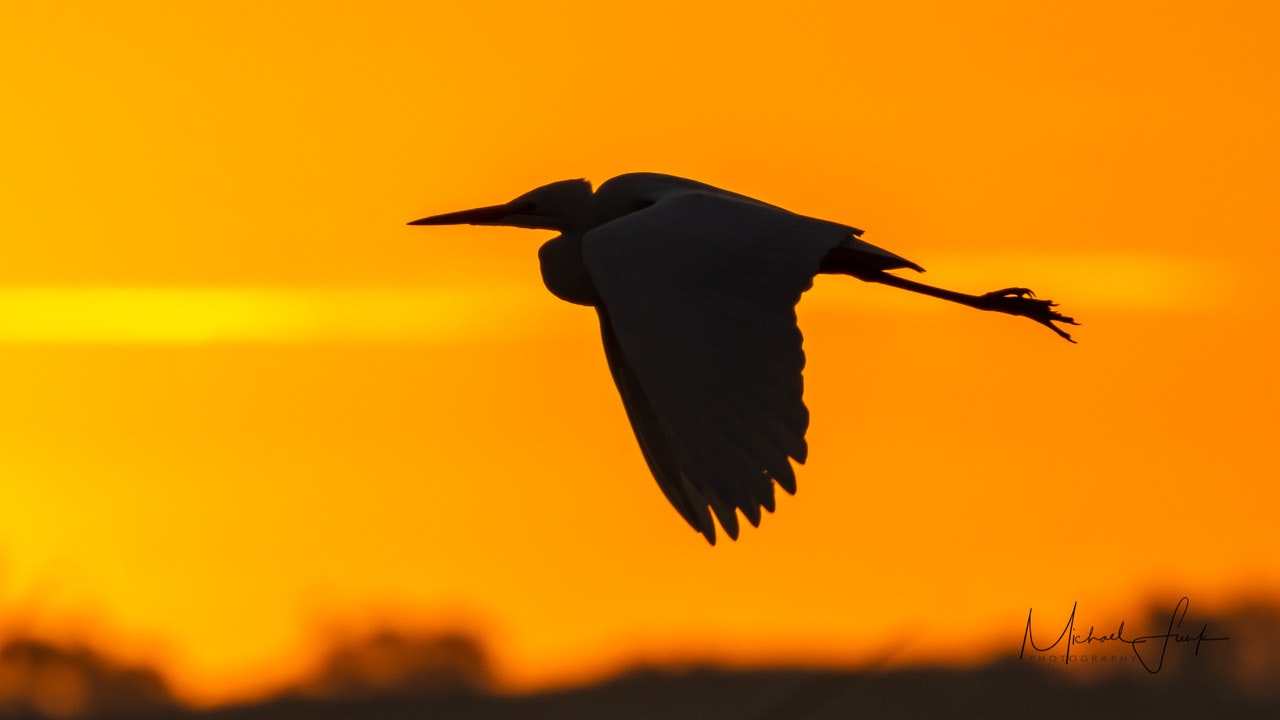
[{"x": 241, "y": 402}]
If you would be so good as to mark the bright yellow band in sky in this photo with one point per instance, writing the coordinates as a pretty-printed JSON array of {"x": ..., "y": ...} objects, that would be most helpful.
[{"x": 182, "y": 315}]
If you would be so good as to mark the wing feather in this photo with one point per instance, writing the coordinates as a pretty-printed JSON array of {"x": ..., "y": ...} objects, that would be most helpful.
[
  {"x": 655, "y": 447},
  {"x": 699, "y": 293}
]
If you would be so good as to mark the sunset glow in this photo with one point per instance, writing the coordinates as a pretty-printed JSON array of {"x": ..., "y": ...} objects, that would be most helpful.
[
  {"x": 199, "y": 315},
  {"x": 246, "y": 410},
  {"x": 187, "y": 315}
]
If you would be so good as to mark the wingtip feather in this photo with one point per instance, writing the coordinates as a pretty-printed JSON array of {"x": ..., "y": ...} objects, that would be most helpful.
[{"x": 728, "y": 518}]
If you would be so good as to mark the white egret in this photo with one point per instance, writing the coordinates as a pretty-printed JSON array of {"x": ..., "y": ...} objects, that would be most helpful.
[{"x": 696, "y": 290}]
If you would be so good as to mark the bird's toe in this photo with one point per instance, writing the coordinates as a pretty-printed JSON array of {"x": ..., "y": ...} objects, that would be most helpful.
[{"x": 1019, "y": 292}]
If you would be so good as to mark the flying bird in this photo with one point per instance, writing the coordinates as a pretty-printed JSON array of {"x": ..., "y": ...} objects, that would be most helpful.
[{"x": 696, "y": 289}]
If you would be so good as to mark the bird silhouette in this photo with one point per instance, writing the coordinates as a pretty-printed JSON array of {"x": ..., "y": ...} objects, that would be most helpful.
[{"x": 696, "y": 289}]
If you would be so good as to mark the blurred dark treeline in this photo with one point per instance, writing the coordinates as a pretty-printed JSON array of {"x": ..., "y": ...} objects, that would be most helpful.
[{"x": 393, "y": 675}]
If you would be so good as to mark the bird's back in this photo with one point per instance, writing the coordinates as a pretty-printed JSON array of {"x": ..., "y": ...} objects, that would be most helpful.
[{"x": 632, "y": 192}]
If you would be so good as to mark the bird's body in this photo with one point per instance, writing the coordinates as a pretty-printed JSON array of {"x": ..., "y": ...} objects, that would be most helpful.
[
  {"x": 565, "y": 273},
  {"x": 696, "y": 289}
]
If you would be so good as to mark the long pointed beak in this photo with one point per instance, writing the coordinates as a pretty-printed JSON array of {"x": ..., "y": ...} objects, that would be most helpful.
[{"x": 491, "y": 215}]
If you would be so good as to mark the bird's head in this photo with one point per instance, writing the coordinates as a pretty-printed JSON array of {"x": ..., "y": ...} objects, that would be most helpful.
[{"x": 559, "y": 206}]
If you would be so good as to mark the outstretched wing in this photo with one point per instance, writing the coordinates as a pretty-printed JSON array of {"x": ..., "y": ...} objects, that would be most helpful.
[
  {"x": 687, "y": 499},
  {"x": 699, "y": 293}
]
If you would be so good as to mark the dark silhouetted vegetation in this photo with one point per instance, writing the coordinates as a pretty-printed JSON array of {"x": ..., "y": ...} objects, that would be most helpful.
[{"x": 393, "y": 675}]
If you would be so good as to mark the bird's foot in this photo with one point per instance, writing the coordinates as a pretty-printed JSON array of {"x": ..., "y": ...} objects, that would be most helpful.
[
  {"x": 1010, "y": 292},
  {"x": 1021, "y": 301}
]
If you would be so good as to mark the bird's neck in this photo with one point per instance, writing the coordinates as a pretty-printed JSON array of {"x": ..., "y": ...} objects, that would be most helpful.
[{"x": 564, "y": 272}]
